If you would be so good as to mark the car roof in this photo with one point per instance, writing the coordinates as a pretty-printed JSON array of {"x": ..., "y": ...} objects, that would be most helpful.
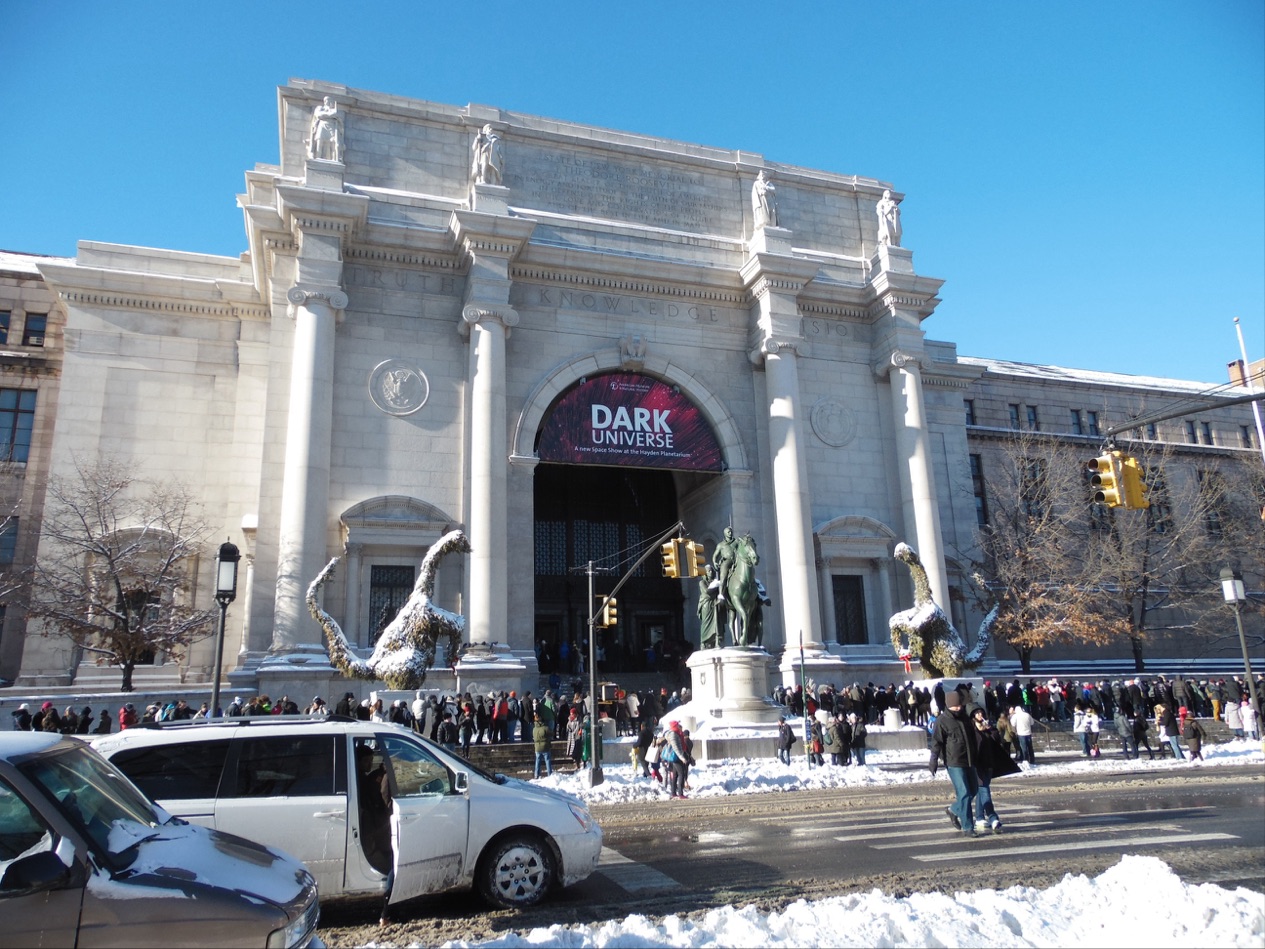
[
  {"x": 158, "y": 732},
  {"x": 15, "y": 744}
]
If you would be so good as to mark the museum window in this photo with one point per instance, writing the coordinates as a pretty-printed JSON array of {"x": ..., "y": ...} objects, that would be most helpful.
[
  {"x": 1160, "y": 513},
  {"x": 1033, "y": 489},
  {"x": 849, "y": 595},
  {"x": 1034, "y": 422},
  {"x": 8, "y": 542},
  {"x": 1014, "y": 415},
  {"x": 1205, "y": 430},
  {"x": 970, "y": 411},
  {"x": 1151, "y": 432},
  {"x": 980, "y": 490},
  {"x": 1245, "y": 436},
  {"x": 5, "y": 316},
  {"x": 1191, "y": 437},
  {"x": 1078, "y": 423},
  {"x": 33, "y": 331},
  {"x": 1212, "y": 492},
  {"x": 1092, "y": 418},
  {"x": 390, "y": 586},
  {"x": 17, "y": 419}
]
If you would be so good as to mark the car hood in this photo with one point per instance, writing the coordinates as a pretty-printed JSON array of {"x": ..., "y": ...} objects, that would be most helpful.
[
  {"x": 535, "y": 790},
  {"x": 165, "y": 855}
]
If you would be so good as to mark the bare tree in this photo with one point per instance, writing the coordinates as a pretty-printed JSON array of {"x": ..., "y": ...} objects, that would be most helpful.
[
  {"x": 115, "y": 570},
  {"x": 1148, "y": 567},
  {"x": 1031, "y": 563}
]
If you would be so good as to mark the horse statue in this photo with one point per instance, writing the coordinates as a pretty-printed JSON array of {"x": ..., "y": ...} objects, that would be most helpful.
[
  {"x": 742, "y": 593},
  {"x": 406, "y": 648}
]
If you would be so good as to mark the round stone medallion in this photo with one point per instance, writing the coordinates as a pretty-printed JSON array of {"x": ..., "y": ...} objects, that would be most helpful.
[
  {"x": 398, "y": 388},
  {"x": 833, "y": 422}
]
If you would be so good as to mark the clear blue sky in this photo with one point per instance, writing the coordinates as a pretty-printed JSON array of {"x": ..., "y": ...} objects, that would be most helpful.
[{"x": 1088, "y": 177}]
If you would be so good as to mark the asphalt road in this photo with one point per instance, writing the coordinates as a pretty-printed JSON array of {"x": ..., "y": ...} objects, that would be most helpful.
[{"x": 769, "y": 849}]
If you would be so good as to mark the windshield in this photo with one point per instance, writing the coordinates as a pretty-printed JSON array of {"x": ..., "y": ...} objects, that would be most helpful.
[
  {"x": 93, "y": 796},
  {"x": 463, "y": 765}
]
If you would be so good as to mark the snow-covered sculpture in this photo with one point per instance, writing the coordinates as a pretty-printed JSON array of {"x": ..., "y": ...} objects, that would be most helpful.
[
  {"x": 925, "y": 633},
  {"x": 406, "y": 648}
]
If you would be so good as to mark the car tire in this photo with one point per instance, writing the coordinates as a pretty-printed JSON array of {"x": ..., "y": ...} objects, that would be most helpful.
[{"x": 516, "y": 872}]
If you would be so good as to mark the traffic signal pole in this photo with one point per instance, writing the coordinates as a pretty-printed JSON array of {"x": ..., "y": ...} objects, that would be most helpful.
[{"x": 596, "y": 776}]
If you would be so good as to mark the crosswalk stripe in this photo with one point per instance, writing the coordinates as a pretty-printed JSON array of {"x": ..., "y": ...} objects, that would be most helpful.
[
  {"x": 630, "y": 875},
  {"x": 1083, "y": 845},
  {"x": 1045, "y": 834}
]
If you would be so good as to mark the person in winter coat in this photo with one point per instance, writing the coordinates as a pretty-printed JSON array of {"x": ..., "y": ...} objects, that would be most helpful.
[
  {"x": 22, "y": 718},
  {"x": 1080, "y": 726},
  {"x": 1166, "y": 725},
  {"x": 785, "y": 738},
  {"x": 832, "y": 740},
  {"x": 1124, "y": 729},
  {"x": 994, "y": 761},
  {"x": 817, "y": 737},
  {"x": 1194, "y": 735},
  {"x": 575, "y": 732},
  {"x": 676, "y": 757},
  {"x": 858, "y": 739},
  {"x": 51, "y": 722},
  {"x": 127, "y": 716},
  {"x": 542, "y": 741},
  {"x": 954, "y": 742},
  {"x": 466, "y": 727},
  {"x": 85, "y": 721},
  {"x": 104, "y": 723}
]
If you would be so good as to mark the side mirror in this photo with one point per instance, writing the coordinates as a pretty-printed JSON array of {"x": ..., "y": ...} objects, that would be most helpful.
[
  {"x": 461, "y": 782},
  {"x": 38, "y": 871}
]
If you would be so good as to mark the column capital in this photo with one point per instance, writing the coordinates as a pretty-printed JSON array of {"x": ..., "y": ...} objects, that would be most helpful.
[
  {"x": 473, "y": 313},
  {"x": 332, "y": 297},
  {"x": 784, "y": 346},
  {"x": 899, "y": 359}
]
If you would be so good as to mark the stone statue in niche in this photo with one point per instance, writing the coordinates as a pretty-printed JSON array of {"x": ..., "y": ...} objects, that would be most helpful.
[
  {"x": 487, "y": 160},
  {"x": 326, "y": 139},
  {"x": 888, "y": 212},
  {"x": 763, "y": 201}
]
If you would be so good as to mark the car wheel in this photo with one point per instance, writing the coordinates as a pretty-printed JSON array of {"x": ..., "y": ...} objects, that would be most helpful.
[{"x": 516, "y": 872}]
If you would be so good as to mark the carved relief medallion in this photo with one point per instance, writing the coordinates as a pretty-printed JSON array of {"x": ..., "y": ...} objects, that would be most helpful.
[
  {"x": 398, "y": 388},
  {"x": 833, "y": 422}
]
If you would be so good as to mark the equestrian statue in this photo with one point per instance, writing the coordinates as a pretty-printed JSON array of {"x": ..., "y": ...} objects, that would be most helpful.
[
  {"x": 925, "y": 633},
  {"x": 738, "y": 593},
  {"x": 406, "y": 648}
]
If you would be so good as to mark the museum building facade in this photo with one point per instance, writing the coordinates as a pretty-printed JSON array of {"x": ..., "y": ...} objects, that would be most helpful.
[{"x": 561, "y": 339}]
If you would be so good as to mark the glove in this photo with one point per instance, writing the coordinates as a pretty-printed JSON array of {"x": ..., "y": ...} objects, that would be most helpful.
[{"x": 933, "y": 764}]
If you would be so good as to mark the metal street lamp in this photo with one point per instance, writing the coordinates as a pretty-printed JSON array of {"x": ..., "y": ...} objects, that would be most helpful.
[
  {"x": 225, "y": 593},
  {"x": 1236, "y": 596}
]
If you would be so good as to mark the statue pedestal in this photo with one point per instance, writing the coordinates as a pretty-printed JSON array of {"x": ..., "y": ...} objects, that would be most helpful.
[
  {"x": 489, "y": 199},
  {"x": 893, "y": 259},
  {"x": 733, "y": 684},
  {"x": 489, "y": 668},
  {"x": 768, "y": 239}
]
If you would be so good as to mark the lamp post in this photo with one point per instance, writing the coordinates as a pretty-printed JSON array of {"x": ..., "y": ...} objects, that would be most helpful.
[
  {"x": 225, "y": 593},
  {"x": 1232, "y": 590}
]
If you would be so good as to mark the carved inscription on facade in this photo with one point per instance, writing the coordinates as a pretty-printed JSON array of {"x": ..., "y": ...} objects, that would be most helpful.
[
  {"x": 623, "y": 190},
  {"x": 620, "y": 304}
]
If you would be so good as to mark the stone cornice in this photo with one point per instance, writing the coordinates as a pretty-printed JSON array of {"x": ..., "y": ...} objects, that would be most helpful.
[
  {"x": 772, "y": 273},
  {"x": 477, "y": 233},
  {"x": 398, "y": 256},
  {"x": 857, "y": 314},
  {"x": 529, "y": 273}
]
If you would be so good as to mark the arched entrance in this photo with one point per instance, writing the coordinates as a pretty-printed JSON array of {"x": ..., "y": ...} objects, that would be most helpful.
[
  {"x": 607, "y": 515},
  {"x": 613, "y": 450}
]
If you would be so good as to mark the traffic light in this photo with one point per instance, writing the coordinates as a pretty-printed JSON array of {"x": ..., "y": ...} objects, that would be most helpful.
[
  {"x": 609, "y": 615},
  {"x": 1135, "y": 488},
  {"x": 672, "y": 559},
  {"x": 1105, "y": 479},
  {"x": 695, "y": 558}
]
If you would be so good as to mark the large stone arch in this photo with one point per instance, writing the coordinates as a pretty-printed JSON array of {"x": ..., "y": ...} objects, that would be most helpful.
[{"x": 591, "y": 364}]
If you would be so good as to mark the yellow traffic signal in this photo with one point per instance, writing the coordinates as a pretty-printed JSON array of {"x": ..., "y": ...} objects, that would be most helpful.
[
  {"x": 1105, "y": 479},
  {"x": 1135, "y": 488},
  {"x": 609, "y": 615},
  {"x": 671, "y": 559},
  {"x": 695, "y": 558}
]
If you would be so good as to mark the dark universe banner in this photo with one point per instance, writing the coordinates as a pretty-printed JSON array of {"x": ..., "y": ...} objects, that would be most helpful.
[{"x": 628, "y": 419}]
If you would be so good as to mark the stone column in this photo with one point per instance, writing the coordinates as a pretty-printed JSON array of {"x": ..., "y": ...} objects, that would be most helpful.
[
  {"x": 351, "y": 615},
  {"x": 825, "y": 583},
  {"x": 883, "y": 570},
  {"x": 248, "y": 559},
  {"x": 487, "y": 609},
  {"x": 790, "y": 497},
  {"x": 920, "y": 513},
  {"x": 305, "y": 479}
]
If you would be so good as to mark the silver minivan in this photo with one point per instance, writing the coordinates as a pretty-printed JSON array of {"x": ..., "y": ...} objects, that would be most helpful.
[
  {"x": 372, "y": 809},
  {"x": 86, "y": 860}
]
